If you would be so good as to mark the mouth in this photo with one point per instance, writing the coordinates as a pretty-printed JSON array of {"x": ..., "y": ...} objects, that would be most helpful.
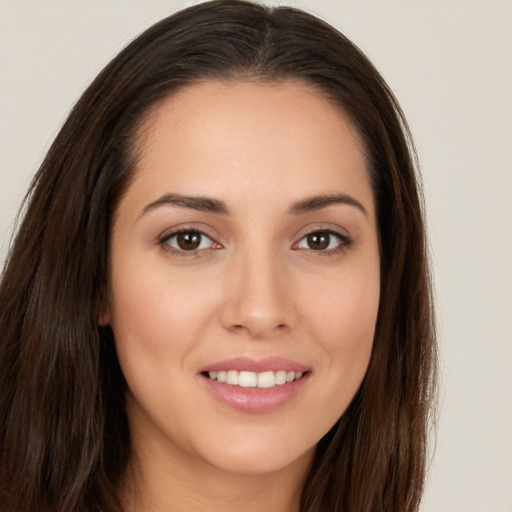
[
  {"x": 256, "y": 385},
  {"x": 246, "y": 379}
]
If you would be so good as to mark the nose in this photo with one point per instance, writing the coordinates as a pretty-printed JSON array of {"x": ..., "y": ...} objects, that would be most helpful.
[{"x": 258, "y": 300}]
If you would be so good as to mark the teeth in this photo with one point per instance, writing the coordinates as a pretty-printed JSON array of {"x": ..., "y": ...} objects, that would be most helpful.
[
  {"x": 266, "y": 380},
  {"x": 255, "y": 380},
  {"x": 232, "y": 377},
  {"x": 247, "y": 379},
  {"x": 280, "y": 377}
]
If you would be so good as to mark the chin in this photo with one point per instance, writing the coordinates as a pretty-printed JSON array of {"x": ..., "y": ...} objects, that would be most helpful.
[
  {"x": 263, "y": 462},
  {"x": 258, "y": 453}
]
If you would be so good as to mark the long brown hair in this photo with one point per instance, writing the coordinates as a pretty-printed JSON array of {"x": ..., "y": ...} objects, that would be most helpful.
[{"x": 64, "y": 436}]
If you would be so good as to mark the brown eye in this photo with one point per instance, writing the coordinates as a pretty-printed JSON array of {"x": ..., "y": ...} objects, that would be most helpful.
[
  {"x": 188, "y": 241},
  {"x": 318, "y": 241},
  {"x": 324, "y": 241}
]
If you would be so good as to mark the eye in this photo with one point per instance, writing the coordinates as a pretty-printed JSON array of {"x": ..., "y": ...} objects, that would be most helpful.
[
  {"x": 188, "y": 241},
  {"x": 324, "y": 241}
]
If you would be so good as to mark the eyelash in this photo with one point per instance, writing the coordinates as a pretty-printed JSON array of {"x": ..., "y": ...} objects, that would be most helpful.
[
  {"x": 164, "y": 242},
  {"x": 345, "y": 242}
]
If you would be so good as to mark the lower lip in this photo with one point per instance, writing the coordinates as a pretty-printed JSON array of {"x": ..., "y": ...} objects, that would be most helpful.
[{"x": 255, "y": 399}]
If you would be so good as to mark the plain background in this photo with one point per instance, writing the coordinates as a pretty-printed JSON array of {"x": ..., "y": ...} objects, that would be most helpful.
[{"x": 450, "y": 65}]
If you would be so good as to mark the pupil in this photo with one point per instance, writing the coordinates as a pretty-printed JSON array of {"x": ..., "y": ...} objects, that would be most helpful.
[
  {"x": 318, "y": 241},
  {"x": 189, "y": 241}
]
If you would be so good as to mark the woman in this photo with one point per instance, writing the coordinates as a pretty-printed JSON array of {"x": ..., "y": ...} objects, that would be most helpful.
[{"x": 219, "y": 294}]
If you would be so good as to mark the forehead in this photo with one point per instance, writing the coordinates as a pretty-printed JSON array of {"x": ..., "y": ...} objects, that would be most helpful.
[{"x": 252, "y": 139}]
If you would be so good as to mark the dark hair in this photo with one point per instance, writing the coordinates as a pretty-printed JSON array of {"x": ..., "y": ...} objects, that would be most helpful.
[{"x": 64, "y": 437}]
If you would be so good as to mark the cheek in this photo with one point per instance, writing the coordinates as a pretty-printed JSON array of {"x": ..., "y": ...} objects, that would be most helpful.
[
  {"x": 352, "y": 315},
  {"x": 344, "y": 308},
  {"x": 342, "y": 323},
  {"x": 154, "y": 314}
]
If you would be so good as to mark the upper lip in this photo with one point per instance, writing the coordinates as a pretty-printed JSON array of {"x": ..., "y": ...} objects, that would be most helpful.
[{"x": 247, "y": 364}]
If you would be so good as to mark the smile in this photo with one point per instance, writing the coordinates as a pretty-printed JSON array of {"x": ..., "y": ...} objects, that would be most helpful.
[
  {"x": 256, "y": 385},
  {"x": 246, "y": 379}
]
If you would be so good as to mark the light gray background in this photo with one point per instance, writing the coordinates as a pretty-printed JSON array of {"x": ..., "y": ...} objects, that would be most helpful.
[{"x": 450, "y": 64}]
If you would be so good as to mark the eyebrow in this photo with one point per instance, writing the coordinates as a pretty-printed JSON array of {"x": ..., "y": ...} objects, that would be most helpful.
[
  {"x": 317, "y": 202},
  {"x": 204, "y": 204},
  {"x": 211, "y": 205}
]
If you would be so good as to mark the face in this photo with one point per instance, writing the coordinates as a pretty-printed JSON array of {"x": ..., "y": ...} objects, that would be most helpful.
[{"x": 244, "y": 279}]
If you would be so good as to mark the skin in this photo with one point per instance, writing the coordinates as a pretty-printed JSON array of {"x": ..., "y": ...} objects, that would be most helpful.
[{"x": 255, "y": 288}]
